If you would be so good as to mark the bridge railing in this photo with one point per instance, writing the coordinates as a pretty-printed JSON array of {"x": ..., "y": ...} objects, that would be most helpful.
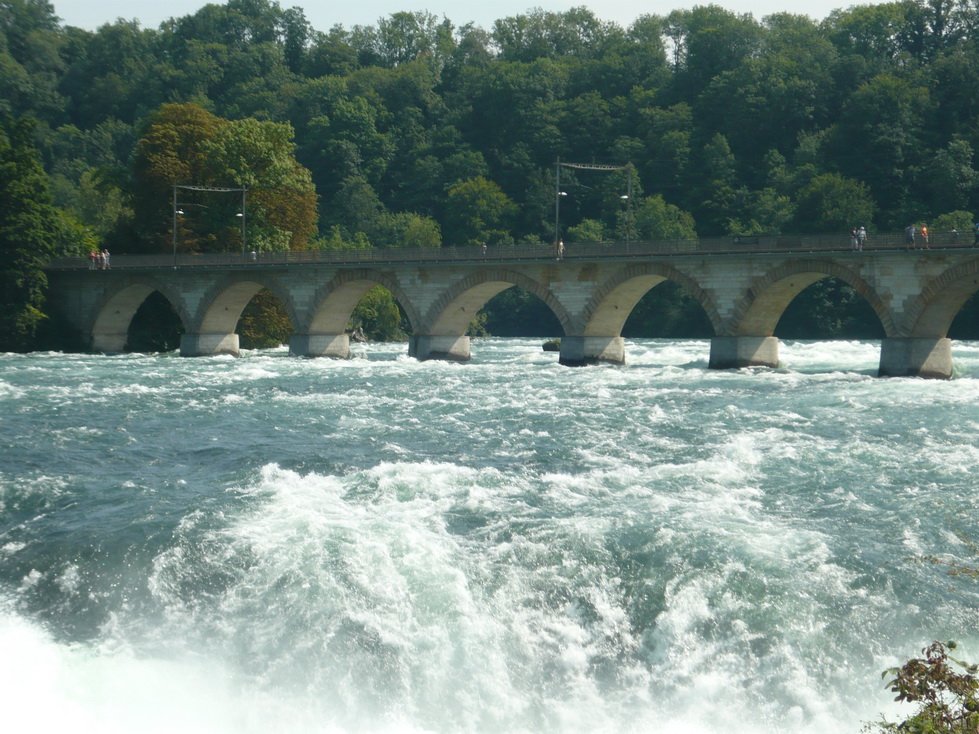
[{"x": 761, "y": 244}]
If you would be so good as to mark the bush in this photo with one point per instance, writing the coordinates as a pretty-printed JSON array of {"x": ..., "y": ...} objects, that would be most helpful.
[{"x": 948, "y": 700}]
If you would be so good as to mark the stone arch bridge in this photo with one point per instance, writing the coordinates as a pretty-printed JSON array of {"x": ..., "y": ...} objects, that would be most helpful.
[{"x": 743, "y": 286}]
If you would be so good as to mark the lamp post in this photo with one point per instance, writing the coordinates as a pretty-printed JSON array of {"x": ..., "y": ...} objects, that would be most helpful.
[
  {"x": 584, "y": 167},
  {"x": 217, "y": 189},
  {"x": 627, "y": 198},
  {"x": 557, "y": 202},
  {"x": 242, "y": 215},
  {"x": 174, "y": 226}
]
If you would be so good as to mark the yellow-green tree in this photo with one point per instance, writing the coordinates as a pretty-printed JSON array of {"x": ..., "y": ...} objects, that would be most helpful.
[{"x": 185, "y": 145}]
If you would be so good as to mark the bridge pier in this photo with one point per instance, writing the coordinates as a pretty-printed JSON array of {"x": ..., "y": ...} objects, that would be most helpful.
[
  {"x": 207, "y": 345},
  {"x": 916, "y": 357},
  {"x": 109, "y": 343},
  {"x": 734, "y": 352},
  {"x": 448, "y": 348},
  {"x": 585, "y": 350},
  {"x": 320, "y": 345}
]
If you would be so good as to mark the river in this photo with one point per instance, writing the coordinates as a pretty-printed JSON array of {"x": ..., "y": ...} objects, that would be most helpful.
[{"x": 271, "y": 544}]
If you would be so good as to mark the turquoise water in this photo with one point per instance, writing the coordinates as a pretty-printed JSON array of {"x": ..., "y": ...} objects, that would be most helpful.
[{"x": 379, "y": 545}]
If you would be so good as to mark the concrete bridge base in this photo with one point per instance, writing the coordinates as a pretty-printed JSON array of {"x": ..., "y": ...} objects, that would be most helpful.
[
  {"x": 583, "y": 350},
  {"x": 109, "y": 343},
  {"x": 916, "y": 357},
  {"x": 207, "y": 345},
  {"x": 320, "y": 345},
  {"x": 449, "y": 348},
  {"x": 734, "y": 352}
]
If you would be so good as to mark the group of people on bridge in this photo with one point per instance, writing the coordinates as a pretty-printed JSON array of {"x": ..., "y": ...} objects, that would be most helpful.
[
  {"x": 98, "y": 259},
  {"x": 858, "y": 236},
  {"x": 911, "y": 233}
]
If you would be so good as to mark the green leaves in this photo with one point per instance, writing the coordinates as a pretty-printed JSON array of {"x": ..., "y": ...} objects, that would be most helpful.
[
  {"x": 832, "y": 203},
  {"x": 188, "y": 146},
  {"x": 29, "y": 235},
  {"x": 947, "y": 699},
  {"x": 479, "y": 213}
]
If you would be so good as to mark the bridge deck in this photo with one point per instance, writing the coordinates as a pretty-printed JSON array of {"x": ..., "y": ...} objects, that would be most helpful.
[{"x": 769, "y": 244}]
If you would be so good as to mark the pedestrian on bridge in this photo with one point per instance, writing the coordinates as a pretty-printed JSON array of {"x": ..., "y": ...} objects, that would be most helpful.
[
  {"x": 861, "y": 237},
  {"x": 909, "y": 233}
]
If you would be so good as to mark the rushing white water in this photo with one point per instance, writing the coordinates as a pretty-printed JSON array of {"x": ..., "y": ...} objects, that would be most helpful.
[{"x": 380, "y": 545}]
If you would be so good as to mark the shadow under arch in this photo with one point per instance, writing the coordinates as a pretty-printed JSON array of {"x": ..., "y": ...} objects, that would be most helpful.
[
  {"x": 114, "y": 314},
  {"x": 224, "y": 301},
  {"x": 453, "y": 311},
  {"x": 758, "y": 312},
  {"x": 335, "y": 301},
  {"x": 931, "y": 312},
  {"x": 612, "y": 303}
]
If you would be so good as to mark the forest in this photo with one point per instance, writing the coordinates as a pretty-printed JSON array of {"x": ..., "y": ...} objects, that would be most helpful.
[{"x": 415, "y": 132}]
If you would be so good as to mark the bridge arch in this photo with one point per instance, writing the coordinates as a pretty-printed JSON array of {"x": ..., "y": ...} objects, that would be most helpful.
[
  {"x": 114, "y": 313},
  {"x": 613, "y": 301},
  {"x": 336, "y": 300},
  {"x": 931, "y": 312},
  {"x": 223, "y": 303},
  {"x": 456, "y": 307},
  {"x": 758, "y": 311}
]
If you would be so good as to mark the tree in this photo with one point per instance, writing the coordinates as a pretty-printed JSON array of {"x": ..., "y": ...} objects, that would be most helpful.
[
  {"x": 260, "y": 156},
  {"x": 833, "y": 203},
  {"x": 957, "y": 221},
  {"x": 407, "y": 229},
  {"x": 770, "y": 98},
  {"x": 587, "y": 230},
  {"x": 878, "y": 141},
  {"x": 949, "y": 180},
  {"x": 947, "y": 700},
  {"x": 171, "y": 151},
  {"x": 264, "y": 323},
  {"x": 31, "y": 63},
  {"x": 714, "y": 185},
  {"x": 657, "y": 220},
  {"x": 28, "y": 237},
  {"x": 709, "y": 41},
  {"x": 115, "y": 66},
  {"x": 378, "y": 316},
  {"x": 186, "y": 145},
  {"x": 479, "y": 213}
]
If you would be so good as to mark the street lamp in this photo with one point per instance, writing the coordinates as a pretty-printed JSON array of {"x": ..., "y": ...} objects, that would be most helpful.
[
  {"x": 585, "y": 167},
  {"x": 175, "y": 213},
  {"x": 242, "y": 215},
  {"x": 627, "y": 198},
  {"x": 557, "y": 201},
  {"x": 218, "y": 189}
]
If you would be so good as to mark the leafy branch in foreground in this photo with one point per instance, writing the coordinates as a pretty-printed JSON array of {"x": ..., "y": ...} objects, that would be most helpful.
[{"x": 948, "y": 700}]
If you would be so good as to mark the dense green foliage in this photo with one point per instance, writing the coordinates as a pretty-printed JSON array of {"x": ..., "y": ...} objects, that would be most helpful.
[
  {"x": 415, "y": 132},
  {"x": 32, "y": 231},
  {"x": 184, "y": 143}
]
